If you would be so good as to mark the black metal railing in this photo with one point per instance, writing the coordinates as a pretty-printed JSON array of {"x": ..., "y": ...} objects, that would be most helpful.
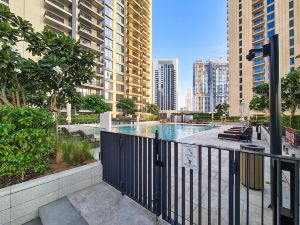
[{"x": 155, "y": 174}]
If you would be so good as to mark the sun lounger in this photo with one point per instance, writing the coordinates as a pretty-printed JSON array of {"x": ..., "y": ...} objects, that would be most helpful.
[{"x": 245, "y": 135}]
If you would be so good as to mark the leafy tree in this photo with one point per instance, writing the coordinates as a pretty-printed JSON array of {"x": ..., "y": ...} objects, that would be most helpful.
[
  {"x": 127, "y": 106},
  {"x": 153, "y": 109},
  {"x": 61, "y": 67},
  {"x": 95, "y": 103},
  {"x": 261, "y": 101},
  {"x": 290, "y": 87},
  {"x": 222, "y": 108}
]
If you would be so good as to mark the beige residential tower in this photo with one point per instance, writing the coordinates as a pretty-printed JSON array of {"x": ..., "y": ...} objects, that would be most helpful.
[
  {"x": 250, "y": 24},
  {"x": 117, "y": 31}
]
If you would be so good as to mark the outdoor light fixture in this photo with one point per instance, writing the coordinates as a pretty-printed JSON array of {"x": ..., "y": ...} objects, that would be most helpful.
[{"x": 265, "y": 50}]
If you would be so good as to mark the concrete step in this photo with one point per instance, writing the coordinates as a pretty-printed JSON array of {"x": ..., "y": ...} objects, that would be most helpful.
[
  {"x": 36, "y": 221},
  {"x": 60, "y": 212}
]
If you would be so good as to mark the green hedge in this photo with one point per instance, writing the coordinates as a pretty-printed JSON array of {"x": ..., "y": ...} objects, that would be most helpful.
[
  {"x": 80, "y": 119},
  {"x": 27, "y": 140}
]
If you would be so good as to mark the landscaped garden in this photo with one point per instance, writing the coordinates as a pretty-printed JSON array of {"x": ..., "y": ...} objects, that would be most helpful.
[{"x": 32, "y": 94}]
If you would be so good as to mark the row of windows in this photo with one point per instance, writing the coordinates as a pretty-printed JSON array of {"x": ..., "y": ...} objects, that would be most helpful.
[
  {"x": 258, "y": 77},
  {"x": 270, "y": 8},
  {"x": 259, "y": 69},
  {"x": 109, "y": 75},
  {"x": 109, "y": 64},
  {"x": 258, "y": 37},
  {"x": 271, "y": 17},
  {"x": 258, "y": 61}
]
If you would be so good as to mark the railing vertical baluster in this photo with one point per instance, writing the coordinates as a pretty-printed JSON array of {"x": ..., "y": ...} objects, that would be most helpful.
[
  {"x": 237, "y": 188},
  {"x": 296, "y": 192},
  {"x": 164, "y": 179},
  {"x": 136, "y": 169},
  {"x": 183, "y": 196},
  {"x": 209, "y": 186},
  {"x": 191, "y": 197},
  {"x": 118, "y": 167},
  {"x": 150, "y": 165},
  {"x": 247, "y": 184},
  {"x": 279, "y": 191},
  {"x": 126, "y": 164},
  {"x": 200, "y": 186},
  {"x": 230, "y": 191},
  {"x": 159, "y": 176},
  {"x": 176, "y": 183},
  {"x": 154, "y": 169},
  {"x": 145, "y": 143},
  {"x": 140, "y": 150},
  {"x": 219, "y": 185},
  {"x": 123, "y": 149},
  {"x": 262, "y": 191},
  {"x": 169, "y": 180},
  {"x": 127, "y": 152},
  {"x": 132, "y": 166}
]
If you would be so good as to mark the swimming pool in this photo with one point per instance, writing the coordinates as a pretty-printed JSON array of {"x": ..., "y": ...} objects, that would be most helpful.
[{"x": 165, "y": 131}]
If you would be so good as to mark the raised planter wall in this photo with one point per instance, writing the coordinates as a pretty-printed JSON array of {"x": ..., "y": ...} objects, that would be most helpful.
[{"x": 19, "y": 203}]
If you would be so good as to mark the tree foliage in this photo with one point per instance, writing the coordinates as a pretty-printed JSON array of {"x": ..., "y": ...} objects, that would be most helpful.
[
  {"x": 222, "y": 108},
  {"x": 261, "y": 101},
  {"x": 127, "y": 106},
  {"x": 95, "y": 103},
  {"x": 290, "y": 95},
  {"x": 290, "y": 88},
  {"x": 62, "y": 65},
  {"x": 153, "y": 109}
]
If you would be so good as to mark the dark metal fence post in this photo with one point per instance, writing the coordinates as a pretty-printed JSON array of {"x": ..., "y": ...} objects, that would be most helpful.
[
  {"x": 156, "y": 178},
  {"x": 275, "y": 126}
]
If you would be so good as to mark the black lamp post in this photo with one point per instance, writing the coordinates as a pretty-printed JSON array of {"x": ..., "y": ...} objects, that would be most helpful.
[{"x": 272, "y": 50}]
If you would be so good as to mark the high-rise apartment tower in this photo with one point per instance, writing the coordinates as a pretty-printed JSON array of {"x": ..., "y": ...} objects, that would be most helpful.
[
  {"x": 117, "y": 31},
  {"x": 250, "y": 25},
  {"x": 210, "y": 84},
  {"x": 165, "y": 83}
]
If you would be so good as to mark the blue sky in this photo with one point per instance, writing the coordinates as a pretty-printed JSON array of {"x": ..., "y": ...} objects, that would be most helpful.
[{"x": 189, "y": 30}]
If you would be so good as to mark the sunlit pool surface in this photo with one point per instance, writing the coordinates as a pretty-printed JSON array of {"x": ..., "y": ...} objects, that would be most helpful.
[{"x": 165, "y": 131}]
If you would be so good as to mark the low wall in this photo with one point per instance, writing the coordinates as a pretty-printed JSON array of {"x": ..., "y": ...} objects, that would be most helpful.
[{"x": 19, "y": 203}]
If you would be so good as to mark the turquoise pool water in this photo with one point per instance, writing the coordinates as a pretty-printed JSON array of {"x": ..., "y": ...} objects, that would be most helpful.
[{"x": 166, "y": 131}]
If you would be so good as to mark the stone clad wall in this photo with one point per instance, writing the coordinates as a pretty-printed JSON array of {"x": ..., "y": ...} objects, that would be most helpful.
[{"x": 19, "y": 203}]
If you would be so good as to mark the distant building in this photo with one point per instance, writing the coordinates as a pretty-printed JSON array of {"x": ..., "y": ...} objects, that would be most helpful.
[
  {"x": 210, "y": 84},
  {"x": 189, "y": 100},
  {"x": 165, "y": 83}
]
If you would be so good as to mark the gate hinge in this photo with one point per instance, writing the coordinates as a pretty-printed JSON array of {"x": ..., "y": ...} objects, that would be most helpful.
[{"x": 235, "y": 167}]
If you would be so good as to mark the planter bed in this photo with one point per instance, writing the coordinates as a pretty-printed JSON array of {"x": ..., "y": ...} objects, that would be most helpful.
[{"x": 19, "y": 203}]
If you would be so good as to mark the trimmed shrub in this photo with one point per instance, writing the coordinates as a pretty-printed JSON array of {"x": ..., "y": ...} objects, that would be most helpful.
[
  {"x": 27, "y": 139},
  {"x": 80, "y": 119},
  {"x": 285, "y": 121}
]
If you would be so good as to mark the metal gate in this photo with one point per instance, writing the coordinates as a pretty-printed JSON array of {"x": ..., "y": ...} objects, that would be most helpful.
[{"x": 152, "y": 172}]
